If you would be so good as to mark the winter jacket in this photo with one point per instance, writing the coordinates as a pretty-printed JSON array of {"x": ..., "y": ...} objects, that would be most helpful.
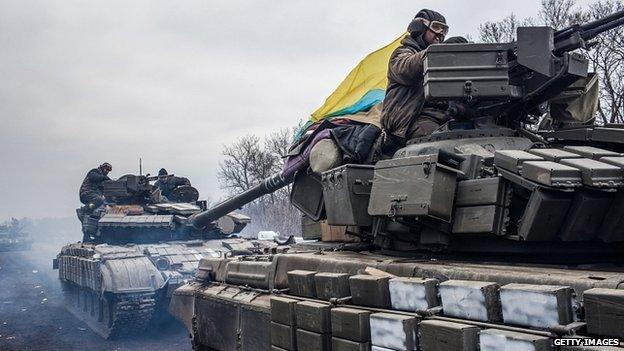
[
  {"x": 167, "y": 185},
  {"x": 92, "y": 182},
  {"x": 404, "y": 102}
]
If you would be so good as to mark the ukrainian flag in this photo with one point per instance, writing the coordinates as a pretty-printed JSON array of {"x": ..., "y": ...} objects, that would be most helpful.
[{"x": 364, "y": 87}]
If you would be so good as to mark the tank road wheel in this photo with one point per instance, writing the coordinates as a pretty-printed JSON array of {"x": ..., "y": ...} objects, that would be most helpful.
[{"x": 108, "y": 314}]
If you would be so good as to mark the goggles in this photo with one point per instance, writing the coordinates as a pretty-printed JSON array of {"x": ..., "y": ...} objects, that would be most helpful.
[{"x": 436, "y": 26}]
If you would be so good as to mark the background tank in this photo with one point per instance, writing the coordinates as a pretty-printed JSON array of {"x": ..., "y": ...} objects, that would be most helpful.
[
  {"x": 528, "y": 183},
  {"x": 13, "y": 237},
  {"x": 136, "y": 251}
]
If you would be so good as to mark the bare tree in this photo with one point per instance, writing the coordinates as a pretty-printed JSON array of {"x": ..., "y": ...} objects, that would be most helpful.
[
  {"x": 503, "y": 31},
  {"x": 607, "y": 59},
  {"x": 247, "y": 162},
  {"x": 560, "y": 13}
]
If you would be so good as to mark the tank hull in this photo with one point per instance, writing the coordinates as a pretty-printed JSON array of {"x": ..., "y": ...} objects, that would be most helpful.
[{"x": 214, "y": 299}]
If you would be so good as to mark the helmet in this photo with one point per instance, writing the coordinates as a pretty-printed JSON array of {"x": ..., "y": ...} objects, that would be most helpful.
[
  {"x": 427, "y": 19},
  {"x": 162, "y": 172},
  {"x": 106, "y": 166}
]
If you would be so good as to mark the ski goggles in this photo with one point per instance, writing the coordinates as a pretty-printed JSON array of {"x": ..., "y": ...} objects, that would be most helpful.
[{"x": 437, "y": 27}]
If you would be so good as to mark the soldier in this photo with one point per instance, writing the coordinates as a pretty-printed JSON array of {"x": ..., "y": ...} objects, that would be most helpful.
[
  {"x": 167, "y": 183},
  {"x": 90, "y": 190},
  {"x": 405, "y": 114}
]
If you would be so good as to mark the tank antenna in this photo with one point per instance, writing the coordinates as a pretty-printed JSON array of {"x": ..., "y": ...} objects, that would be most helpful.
[{"x": 140, "y": 167}]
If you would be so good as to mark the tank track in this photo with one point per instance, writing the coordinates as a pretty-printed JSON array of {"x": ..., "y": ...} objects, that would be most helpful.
[{"x": 110, "y": 315}]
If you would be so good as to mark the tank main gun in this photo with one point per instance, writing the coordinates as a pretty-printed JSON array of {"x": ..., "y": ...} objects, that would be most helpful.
[{"x": 267, "y": 186}]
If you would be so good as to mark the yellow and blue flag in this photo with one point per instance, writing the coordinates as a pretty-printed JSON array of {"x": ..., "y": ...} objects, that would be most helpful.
[{"x": 364, "y": 87}]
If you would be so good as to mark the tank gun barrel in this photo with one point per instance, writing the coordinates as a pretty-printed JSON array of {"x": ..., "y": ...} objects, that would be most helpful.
[
  {"x": 267, "y": 186},
  {"x": 575, "y": 36},
  {"x": 594, "y": 27}
]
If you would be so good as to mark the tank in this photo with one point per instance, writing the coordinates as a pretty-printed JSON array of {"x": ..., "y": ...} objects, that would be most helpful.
[
  {"x": 500, "y": 231},
  {"x": 137, "y": 249},
  {"x": 13, "y": 237}
]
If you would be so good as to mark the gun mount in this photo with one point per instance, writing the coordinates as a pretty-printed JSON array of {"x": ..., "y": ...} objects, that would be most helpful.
[{"x": 510, "y": 82}]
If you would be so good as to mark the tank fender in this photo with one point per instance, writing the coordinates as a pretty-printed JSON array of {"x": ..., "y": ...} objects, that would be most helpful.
[{"x": 129, "y": 275}]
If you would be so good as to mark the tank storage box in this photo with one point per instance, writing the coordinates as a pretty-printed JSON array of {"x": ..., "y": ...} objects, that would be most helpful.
[
  {"x": 310, "y": 341},
  {"x": 544, "y": 215},
  {"x": 330, "y": 285},
  {"x": 369, "y": 290},
  {"x": 471, "y": 300},
  {"x": 588, "y": 210},
  {"x": 613, "y": 222},
  {"x": 604, "y": 312},
  {"x": 222, "y": 315},
  {"x": 591, "y": 152},
  {"x": 314, "y": 317},
  {"x": 310, "y": 229},
  {"x": 437, "y": 335},
  {"x": 539, "y": 306},
  {"x": 255, "y": 274},
  {"x": 339, "y": 233},
  {"x": 301, "y": 283},
  {"x": 283, "y": 310},
  {"x": 474, "y": 71},
  {"x": 496, "y": 340},
  {"x": 306, "y": 195},
  {"x": 394, "y": 331},
  {"x": 413, "y": 186},
  {"x": 484, "y": 191},
  {"x": 413, "y": 294},
  {"x": 284, "y": 336},
  {"x": 554, "y": 155},
  {"x": 513, "y": 160},
  {"x": 346, "y": 191},
  {"x": 348, "y": 345},
  {"x": 351, "y": 324},
  {"x": 595, "y": 173},
  {"x": 480, "y": 219},
  {"x": 551, "y": 174},
  {"x": 613, "y": 160}
]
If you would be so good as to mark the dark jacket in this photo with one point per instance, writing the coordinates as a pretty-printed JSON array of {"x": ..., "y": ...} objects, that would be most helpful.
[
  {"x": 92, "y": 182},
  {"x": 405, "y": 95},
  {"x": 167, "y": 185}
]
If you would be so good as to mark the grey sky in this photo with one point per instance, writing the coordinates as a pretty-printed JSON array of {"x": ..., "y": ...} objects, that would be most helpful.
[{"x": 82, "y": 82}]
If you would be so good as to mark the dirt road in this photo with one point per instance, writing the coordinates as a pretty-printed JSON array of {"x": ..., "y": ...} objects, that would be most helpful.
[{"x": 32, "y": 315}]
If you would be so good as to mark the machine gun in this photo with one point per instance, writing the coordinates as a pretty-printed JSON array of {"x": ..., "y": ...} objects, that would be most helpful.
[
  {"x": 511, "y": 81},
  {"x": 128, "y": 189}
]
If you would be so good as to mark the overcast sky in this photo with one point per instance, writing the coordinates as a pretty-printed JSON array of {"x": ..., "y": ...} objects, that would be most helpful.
[{"x": 83, "y": 82}]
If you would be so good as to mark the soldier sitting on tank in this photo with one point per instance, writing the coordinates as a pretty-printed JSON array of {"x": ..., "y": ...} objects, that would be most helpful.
[
  {"x": 167, "y": 183},
  {"x": 405, "y": 114},
  {"x": 90, "y": 190}
]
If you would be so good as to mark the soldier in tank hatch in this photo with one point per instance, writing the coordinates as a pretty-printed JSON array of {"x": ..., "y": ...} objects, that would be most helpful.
[
  {"x": 405, "y": 113},
  {"x": 167, "y": 183},
  {"x": 91, "y": 189}
]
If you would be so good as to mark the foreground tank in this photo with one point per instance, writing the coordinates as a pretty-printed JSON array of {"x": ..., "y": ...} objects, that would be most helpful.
[
  {"x": 493, "y": 233},
  {"x": 13, "y": 237},
  {"x": 136, "y": 251}
]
